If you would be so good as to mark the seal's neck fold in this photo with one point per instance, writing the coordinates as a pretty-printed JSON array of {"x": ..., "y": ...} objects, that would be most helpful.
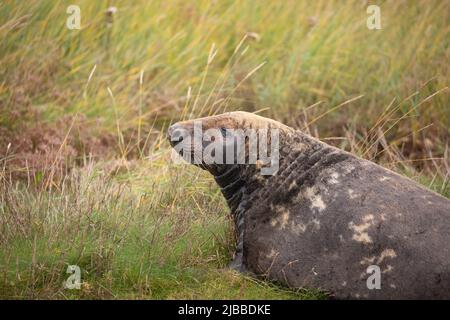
[{"x": 232, "y": 185}]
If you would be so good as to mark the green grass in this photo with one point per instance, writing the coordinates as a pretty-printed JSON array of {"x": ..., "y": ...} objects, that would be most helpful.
[
  {"x": 131, "y": 235},
  {"x": 140, "y": 227}
]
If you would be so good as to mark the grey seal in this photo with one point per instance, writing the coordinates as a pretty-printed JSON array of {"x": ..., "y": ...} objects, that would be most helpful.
[{"x": 330, "y": 220}]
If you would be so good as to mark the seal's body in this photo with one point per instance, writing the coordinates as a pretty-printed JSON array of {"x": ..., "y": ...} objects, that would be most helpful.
[{"x": 330, "y": 220}]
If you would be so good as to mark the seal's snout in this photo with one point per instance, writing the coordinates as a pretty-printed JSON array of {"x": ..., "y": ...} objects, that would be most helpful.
[
  {"x": 175, "y": 134},
  {"x": 170, "y": 131}
]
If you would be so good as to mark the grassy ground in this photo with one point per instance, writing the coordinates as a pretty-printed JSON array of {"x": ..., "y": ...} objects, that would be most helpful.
[
  {"x": 85, "y": 172},
  {"x": 155, "y": 231}
]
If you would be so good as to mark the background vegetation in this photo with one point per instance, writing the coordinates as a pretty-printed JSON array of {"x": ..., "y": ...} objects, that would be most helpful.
[{"x": 85, "y": 170}]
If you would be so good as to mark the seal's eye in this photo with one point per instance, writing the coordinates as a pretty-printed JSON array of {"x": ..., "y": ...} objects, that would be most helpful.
[{"x": 223, "y": 131}]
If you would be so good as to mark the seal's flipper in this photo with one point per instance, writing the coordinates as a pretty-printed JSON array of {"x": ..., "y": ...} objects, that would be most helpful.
[{"x": 238, "y": 262}]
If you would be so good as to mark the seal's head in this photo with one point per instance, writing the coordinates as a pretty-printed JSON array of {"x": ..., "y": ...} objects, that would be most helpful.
[{"x": 233, "y": 138}]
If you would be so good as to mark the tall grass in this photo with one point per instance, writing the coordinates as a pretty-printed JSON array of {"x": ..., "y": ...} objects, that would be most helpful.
[{"x": 313, "y": 51}]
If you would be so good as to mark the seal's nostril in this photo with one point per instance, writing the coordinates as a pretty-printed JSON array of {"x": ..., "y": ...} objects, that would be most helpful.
[{"x": 175, "y": 134}]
